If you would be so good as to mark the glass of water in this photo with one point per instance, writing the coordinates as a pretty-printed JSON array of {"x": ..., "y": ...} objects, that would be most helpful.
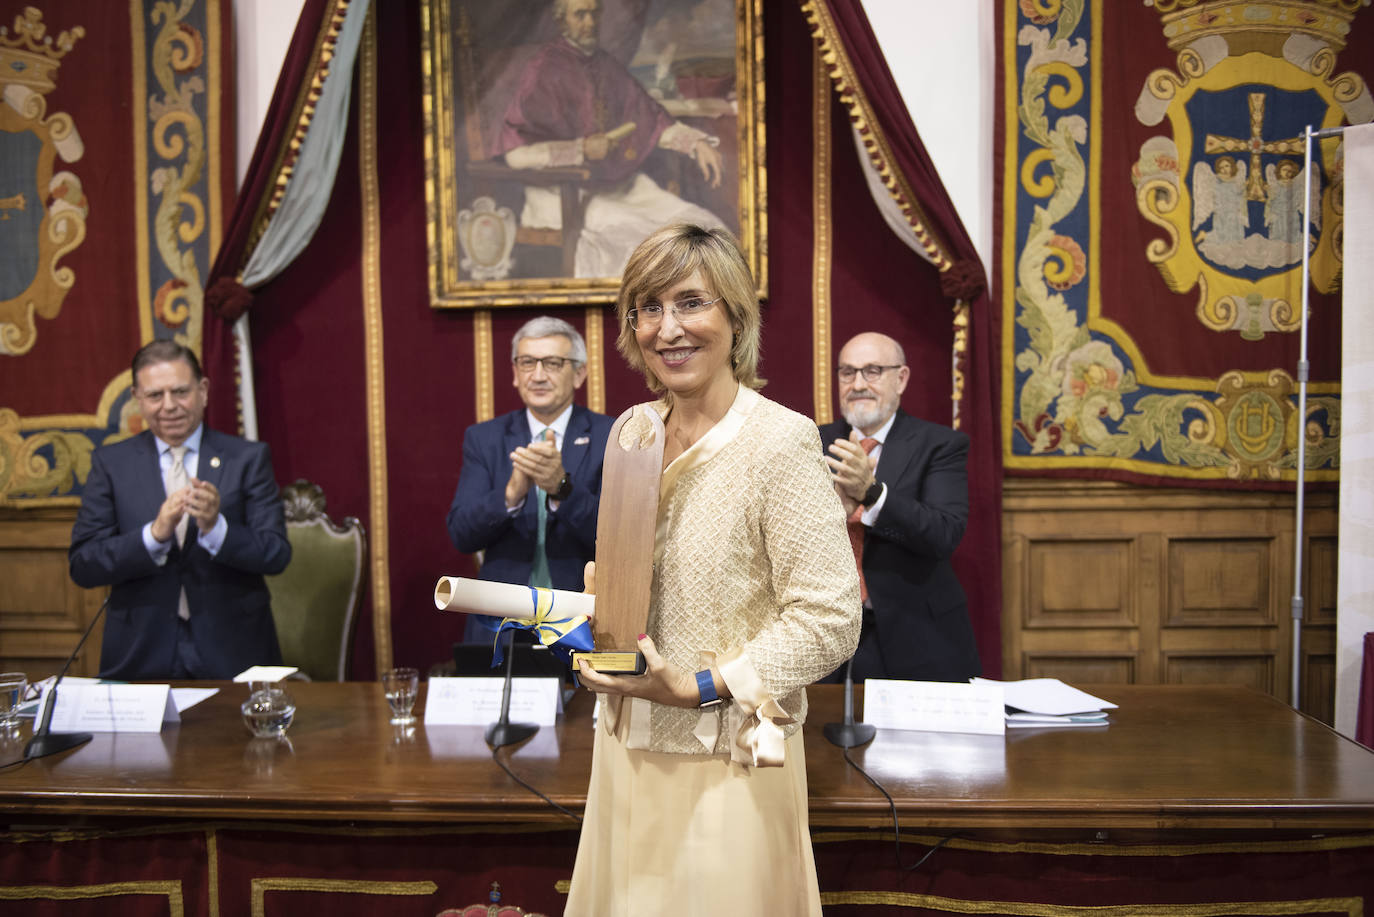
[
  {"x": 400, "y": 686},
  {"x": 268, "y": 712},
  {"x": 12, "y": 685}
]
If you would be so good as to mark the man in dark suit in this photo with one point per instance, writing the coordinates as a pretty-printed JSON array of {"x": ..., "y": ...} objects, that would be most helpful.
[
  {"x": 182, "y": 521},
  {"x": 903, "y": 481},
  {"x": 530, "y": 485}
]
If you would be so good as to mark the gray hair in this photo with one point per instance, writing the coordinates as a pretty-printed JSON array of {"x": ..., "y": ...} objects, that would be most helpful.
[{"x": 547, "y": 326}]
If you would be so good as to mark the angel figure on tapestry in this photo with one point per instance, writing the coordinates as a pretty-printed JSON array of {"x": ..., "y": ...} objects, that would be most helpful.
[
  {"x": 1220, "y": 197},
  {"x": 1286, "y": 182}
]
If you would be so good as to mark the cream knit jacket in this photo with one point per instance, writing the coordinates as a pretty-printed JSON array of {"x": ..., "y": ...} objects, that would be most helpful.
[{"x": 752, "y": 557}]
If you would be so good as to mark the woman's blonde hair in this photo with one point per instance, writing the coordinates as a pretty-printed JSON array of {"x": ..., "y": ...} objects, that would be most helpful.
[{"x": 674, "y": 253}]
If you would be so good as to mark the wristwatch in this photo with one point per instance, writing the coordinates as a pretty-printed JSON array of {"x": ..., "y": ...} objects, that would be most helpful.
[
  {"x": 706, "y": 687},
  {"x": 875, "y": 490},
  {"x": 564, "y": 489}
]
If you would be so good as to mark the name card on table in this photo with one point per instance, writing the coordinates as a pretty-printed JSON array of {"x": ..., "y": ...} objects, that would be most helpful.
[
  {"x": 934, "y": 706},
  {"x": 477, "y": 701},
  {"x": 112, "y": 708}
]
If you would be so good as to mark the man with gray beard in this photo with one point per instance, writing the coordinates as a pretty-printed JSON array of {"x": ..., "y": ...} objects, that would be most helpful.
[{"x": 904, "y": 483}]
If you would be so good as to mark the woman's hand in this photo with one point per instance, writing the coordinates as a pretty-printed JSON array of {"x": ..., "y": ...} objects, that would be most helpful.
[{"x": 662, "y": 682}]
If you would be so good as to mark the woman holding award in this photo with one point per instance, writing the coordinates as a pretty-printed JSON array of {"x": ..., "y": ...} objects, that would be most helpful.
[{"x": 698, "y": 799}]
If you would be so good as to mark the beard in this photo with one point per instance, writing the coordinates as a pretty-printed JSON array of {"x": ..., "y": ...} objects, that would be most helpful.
[
  {"x": 587, "y": 44},
  {"x": 866, "y": 413}
]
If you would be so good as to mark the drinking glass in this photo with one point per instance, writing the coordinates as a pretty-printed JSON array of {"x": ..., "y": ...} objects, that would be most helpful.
[
  {"x": 268, "y": 712},
  {"x": 12, "y": 685},
  {"x": 400, "y": 686}
]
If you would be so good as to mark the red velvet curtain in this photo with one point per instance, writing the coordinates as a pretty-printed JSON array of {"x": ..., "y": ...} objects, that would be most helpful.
[
  {"x": 978, "y": 561},
  {"x": 308, "y": 323}
]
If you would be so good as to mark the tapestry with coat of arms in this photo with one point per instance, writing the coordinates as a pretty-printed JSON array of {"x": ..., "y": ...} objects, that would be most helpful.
[
  {"x": 115, "y": 167},
  {"x": 1155, "y": 203}
]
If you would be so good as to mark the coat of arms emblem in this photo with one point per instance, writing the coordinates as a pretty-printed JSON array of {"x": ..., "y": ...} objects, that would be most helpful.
[{"x": 42, "y": 207}]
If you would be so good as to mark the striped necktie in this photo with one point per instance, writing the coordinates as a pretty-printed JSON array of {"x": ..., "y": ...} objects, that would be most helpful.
[
  {"x": 856, "y": 528},
  {"x": 539, "y": 565},
  {"x": 177, "y": 478}
]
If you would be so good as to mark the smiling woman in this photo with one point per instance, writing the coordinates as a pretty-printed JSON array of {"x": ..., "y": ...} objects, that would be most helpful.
[{"x": 754, "y": 596}]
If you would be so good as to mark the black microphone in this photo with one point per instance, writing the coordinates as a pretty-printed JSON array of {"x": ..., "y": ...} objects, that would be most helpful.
[
  {"x": 503, "y": 732},
  {"x": 45, "y": 742},
  {"x": 849, "y": 734}
]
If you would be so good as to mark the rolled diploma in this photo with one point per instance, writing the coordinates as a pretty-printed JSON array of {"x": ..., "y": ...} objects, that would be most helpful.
[{"x": 506, "y": 600}]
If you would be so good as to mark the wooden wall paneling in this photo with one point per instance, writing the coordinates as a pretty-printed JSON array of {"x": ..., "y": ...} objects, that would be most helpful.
[
  {"x": 1220, "y": 581},
  {"x": 42, "y": 612},
  {"x": 1318, "y": 680},
  {"x": 1108, "y": 582},
  {"x": 1081, "y": 582}
]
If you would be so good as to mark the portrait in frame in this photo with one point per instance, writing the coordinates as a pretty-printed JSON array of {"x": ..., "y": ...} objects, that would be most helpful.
[{"x": 560, "y": 133}]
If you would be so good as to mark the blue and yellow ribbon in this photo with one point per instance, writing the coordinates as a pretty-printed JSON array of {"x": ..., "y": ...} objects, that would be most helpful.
[{"x": 564, "y": 636}]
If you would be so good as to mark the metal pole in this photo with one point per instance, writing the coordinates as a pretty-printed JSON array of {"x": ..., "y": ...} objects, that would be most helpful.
[{"x": 1296, "y": 605}]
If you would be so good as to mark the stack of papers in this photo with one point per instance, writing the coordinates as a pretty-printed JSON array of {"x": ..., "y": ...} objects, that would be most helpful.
[{"x": 1039, "y": 702}]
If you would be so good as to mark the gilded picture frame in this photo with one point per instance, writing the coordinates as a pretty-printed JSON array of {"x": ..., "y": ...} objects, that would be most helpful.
[{"x": 520, "y": 145}]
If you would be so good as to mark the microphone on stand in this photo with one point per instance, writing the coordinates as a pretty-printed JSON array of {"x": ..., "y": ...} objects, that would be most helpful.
[
  {"x": 45, "y": 742},
  {"x": 849, "y": 734},
  {"x": 503, "y": 732}
]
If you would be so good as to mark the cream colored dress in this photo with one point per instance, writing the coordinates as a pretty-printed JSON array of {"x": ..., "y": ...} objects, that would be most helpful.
[{"x": 692, "y": 812}]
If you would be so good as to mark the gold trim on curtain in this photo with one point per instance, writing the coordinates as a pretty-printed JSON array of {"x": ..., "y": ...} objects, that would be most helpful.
[
  {"x": 962, "y": 324},
  {"x": 373, "y": 351},
  {"x": 171, "y": 890},
  {"x": 1351, "y": 907},
  {"x": 212, "y": 869},
  {"x": 483, "y": 365},
  {"x": 841, "y": 70},
  {"x": 260, "y": 888},
  {"x": 820, "y": 245},
  {"x": 302, "y": 113},
  {"x": 596, "y": 361},
  {"x": 852, "y": 96}
]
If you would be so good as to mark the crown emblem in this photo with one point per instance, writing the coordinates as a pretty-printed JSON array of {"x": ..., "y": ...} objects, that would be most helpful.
[
  {"x": 1257, "y": 25},
  {"x": 30, "y": 56}
]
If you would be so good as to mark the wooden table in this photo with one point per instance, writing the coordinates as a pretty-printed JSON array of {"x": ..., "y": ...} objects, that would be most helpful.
[
  {"x": 1173, "y": 757},
  {"x": 1176, "y": 763}
]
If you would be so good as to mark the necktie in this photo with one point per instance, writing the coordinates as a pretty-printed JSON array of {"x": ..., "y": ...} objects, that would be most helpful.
[
  {"x": 176, "y": 480},
  {"x": 539, "y": 566},
  {"x": 856, "y": 528}
]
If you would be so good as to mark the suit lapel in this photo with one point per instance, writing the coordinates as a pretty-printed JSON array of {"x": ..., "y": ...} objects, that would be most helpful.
[
  {"x": 147, "y": 470},
  {"x": 210, "y": 466},
  {"x": 517, "y": 434},
  {"x": 209, "y": 469},
  {"x": 898, "y": 449},
  {"x": 576, "y": 441}
]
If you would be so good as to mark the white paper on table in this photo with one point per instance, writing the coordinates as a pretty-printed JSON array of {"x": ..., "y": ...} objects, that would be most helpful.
[
  {"x": 111, "y": 708},
  {"x": 1047, "y": 695},
  {"x": 30, "y": 708},
  {"x": 507, "y": 600},
  {"x": 186, "y": 698},
  {"x": 934, "y": 706},
  {"x": 266, "y": 673},
  {"x": 477, "y": 701}
]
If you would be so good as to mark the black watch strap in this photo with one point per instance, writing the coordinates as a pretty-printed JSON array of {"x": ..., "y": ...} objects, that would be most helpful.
[
  {"x": 875, "y": 490},
  {"x": 564, "y": 490}
]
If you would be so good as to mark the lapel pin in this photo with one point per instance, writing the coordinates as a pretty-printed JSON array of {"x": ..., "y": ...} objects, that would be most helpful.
[
  {"x": 582, "y": 441},
  {"x": 214, "y": 461}
]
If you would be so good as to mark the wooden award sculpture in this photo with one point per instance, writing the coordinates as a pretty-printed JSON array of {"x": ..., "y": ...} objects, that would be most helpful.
[{"x": 625, "y": 530}]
